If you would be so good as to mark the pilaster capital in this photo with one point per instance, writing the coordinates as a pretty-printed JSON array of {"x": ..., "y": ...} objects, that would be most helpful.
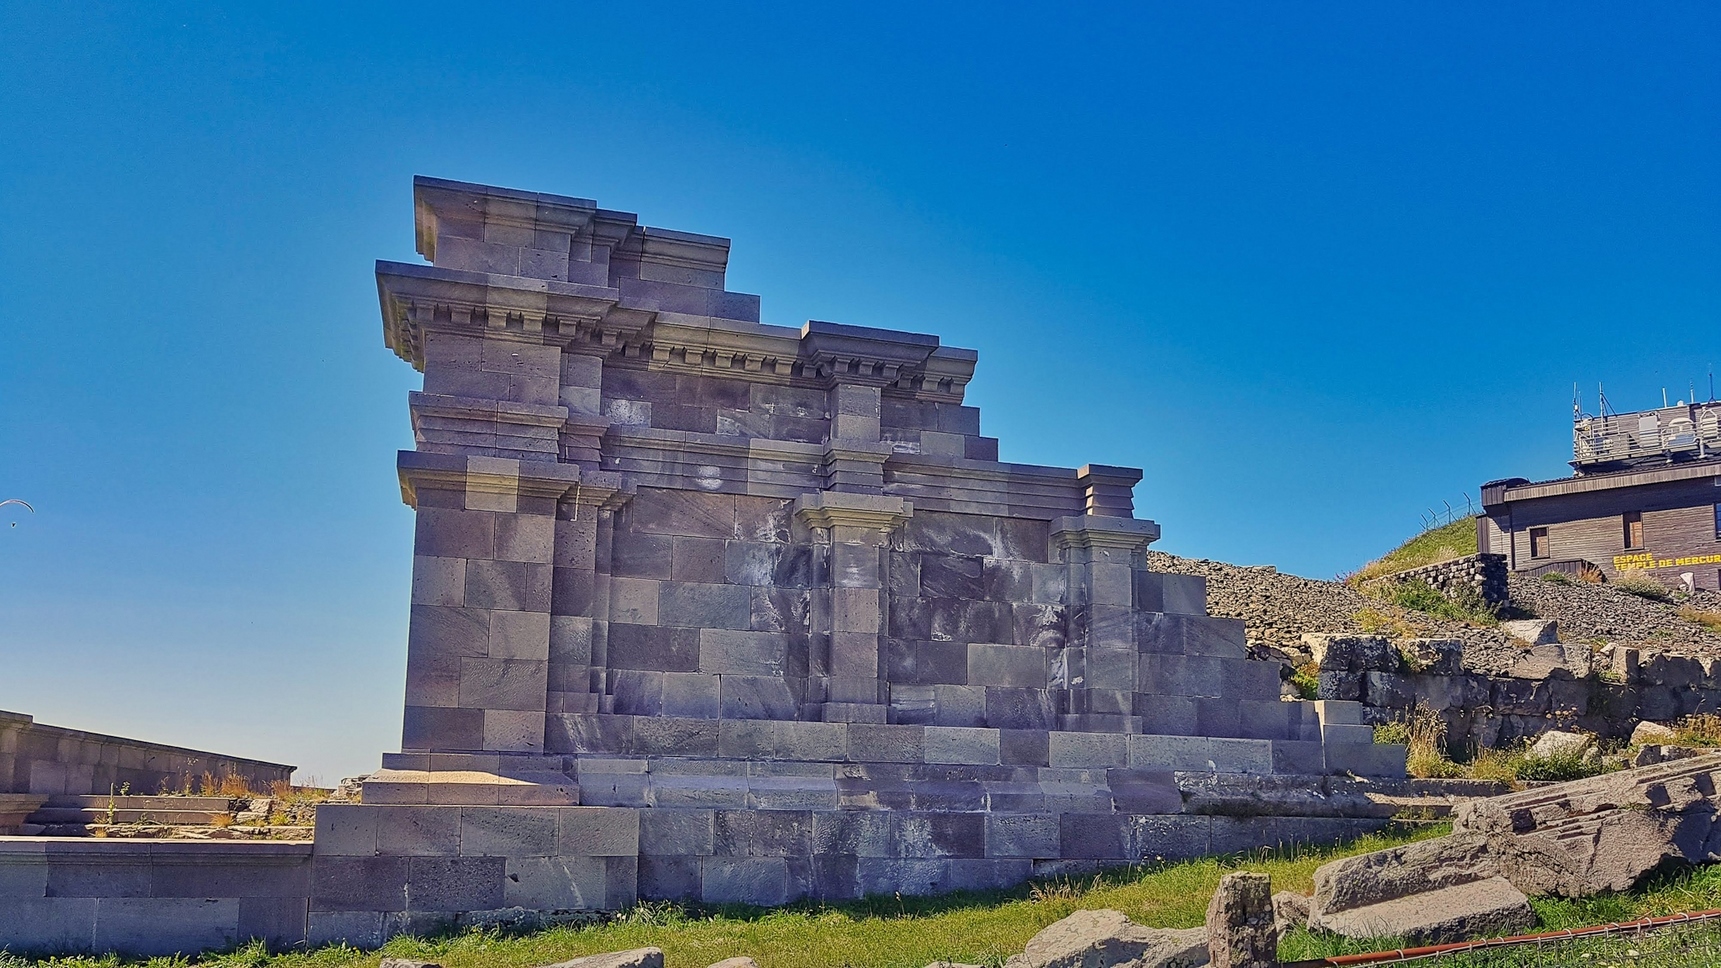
[
  {"x": 833, "y": 509},
  {"x": 1106, "y": 534}
]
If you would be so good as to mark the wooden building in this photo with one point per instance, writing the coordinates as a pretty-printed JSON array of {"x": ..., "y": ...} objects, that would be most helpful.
[{"x": 1646, "y": 496}]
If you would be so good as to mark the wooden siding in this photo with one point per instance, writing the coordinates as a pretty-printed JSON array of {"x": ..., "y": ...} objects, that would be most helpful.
[{"x": 1678, "y": 526}]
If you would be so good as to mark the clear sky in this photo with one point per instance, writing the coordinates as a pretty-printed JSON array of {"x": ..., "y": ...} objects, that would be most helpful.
[{"x": 1315, "y": 267}]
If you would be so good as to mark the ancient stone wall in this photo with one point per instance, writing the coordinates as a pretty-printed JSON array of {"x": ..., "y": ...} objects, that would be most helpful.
[
  {"x": 1552, "y": 686},
  {"x": 49, "y": 760}
]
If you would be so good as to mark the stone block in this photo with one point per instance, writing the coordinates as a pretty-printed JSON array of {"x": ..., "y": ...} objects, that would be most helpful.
[
  {"x": 166, "y": 926},
  {"x": 949, "y": 744},
  {"x": 925, "y": 835},
  {"x": 278, "y": 922},
  {"x": 438, "y": 581},
  {"x": 509, "y": 585},
  {"x": 879, "y": 743},
  {"x": 555, "y": 883},
  {"x": 508, "y": 831},
  {"x": 1007, "y": 665},
  {"x": 728, "y": 651},
  {"x": 597, "y": 831},
  {"x": 888, "y": 875},
  {"x": 342, "y": 883},
  {"x": 755, "y": 697},
  {"x": 760, "y": 881},
  {"x": 697, "y": 559},
  {"x": 1069, "y": 749},
  {"x": 406, "y": 831},
  {"x": 344, "y": 829},
  {"x": 1022, "y": 835},
  {"x": 634, "y": 601},
  {"x": 1241, "y": 755},
  {"x": 455, "y": 883},
  {"x": 1159, "y": 752},
  {"x": 519, "y": 635},
  {"x": 676, "y": 832},
  {"x": 704, "y": 606},
  {"x": 673, "y": 878}
]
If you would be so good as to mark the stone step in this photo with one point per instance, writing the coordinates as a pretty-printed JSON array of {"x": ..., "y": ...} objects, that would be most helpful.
[
  {"x": 91, "y": 815},
  {"x": 102, "y": 801}
]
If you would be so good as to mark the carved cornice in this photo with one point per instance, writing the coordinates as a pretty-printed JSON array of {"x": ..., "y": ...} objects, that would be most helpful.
[
  {"x": 831, "y": 509},
  {"x": 418, "y": 299},
  {"x": 499, "y": 475},
  {"x": 1089, "y": 531}
]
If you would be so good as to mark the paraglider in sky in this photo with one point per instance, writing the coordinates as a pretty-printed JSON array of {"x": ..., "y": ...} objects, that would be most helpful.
[{"x": 13, "y": 500}]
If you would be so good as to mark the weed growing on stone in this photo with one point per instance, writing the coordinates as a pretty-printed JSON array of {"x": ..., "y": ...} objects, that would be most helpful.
[
  {"x": 1640, "y": 584},
  {"x": 1557, "y": 578},
  {"x": 1708, "y": 618}
]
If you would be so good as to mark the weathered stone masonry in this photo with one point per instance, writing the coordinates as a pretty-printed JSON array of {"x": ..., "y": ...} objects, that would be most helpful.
[{"x": 709, "y": 609}]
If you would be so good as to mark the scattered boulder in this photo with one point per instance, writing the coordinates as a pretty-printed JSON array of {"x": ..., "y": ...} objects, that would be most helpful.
[
  {"x": 1109, "y": 939},
  {"x": 632, "y": 958},
  {"x": 935, "y": 964},
  {"x": 1535, "y": 631},
  {"x": 1290, "y": 910},
  {"x": 1647, "y": 733},
  {"x": 1653, "y": 754},
  {"x": 745, "y": 962},
  {"x": 1555, "y": 743},
  {"x": 1432, "y": 891},
  {"x": 1241, "y": 929},
  {"x": 1552, "y": 661},
  {"x": 408, "y": 963}
]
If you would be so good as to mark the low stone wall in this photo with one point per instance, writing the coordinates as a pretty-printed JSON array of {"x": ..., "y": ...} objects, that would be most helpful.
[
  {"x": 52, "y": 760},
  {"x": 1551, "y": 686},
  {"x": 1484, "y": 574},
  {"x": 150, "y": 897}
]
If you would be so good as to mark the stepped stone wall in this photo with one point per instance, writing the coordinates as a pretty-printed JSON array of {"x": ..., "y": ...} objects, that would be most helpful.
[{"x": 708, "y": 608}]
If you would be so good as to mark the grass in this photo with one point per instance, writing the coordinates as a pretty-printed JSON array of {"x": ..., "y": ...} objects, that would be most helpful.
[
  {"x": 1640, "y": 584},
  {"x": 1428, "y": 756},
  {"x": 1431, "y": 547},
  {"x": 1708, "y": 618},
  {"x": 1465, "y": 606}
]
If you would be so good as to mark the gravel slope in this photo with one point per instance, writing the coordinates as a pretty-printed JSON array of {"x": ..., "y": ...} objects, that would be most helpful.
[{"x": 1277, "y": 609}]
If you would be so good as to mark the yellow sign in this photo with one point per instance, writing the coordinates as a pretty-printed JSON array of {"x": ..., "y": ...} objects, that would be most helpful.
[{"x": 1644, "y": 560}]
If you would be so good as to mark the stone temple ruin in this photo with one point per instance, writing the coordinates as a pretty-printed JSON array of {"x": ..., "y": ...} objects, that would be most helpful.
[{"x": 705, "y": 608}]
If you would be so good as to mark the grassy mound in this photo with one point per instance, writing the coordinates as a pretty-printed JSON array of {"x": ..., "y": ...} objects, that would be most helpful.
[{"x": 1431, "y": 547}]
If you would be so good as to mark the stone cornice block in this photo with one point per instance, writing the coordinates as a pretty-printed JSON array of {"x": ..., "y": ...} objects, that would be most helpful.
[
  {"x": 501, "y": 475},
  {"x": 832, "y": 509},
  {"x": 1088, "y": 531},
  {"x": 841, "y": 353}
]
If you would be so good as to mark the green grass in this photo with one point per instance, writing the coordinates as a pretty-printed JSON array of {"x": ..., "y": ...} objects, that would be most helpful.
[
  {"x": 986, "y": 928},
  {"x": 1433, "y": 546}
]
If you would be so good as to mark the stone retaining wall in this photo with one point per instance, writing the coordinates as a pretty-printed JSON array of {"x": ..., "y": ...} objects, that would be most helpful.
[
  {"x": 1551, "y": 686},
  {"x": 150, "y": 897},
  {"x": 1484, "y": 574},
  {"x": 52, "y": 760}
]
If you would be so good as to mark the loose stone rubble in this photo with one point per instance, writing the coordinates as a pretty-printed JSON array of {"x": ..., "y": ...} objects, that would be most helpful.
[{"x": 1109, "y": 939}]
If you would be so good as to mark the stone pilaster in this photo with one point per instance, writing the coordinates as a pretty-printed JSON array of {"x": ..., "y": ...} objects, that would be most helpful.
[
  {"x": 855, "y": 530},
  {"x": 1101, "y": 556},
  {"x": 497, "y": 541}
]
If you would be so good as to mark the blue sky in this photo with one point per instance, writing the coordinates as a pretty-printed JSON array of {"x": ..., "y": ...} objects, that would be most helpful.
[{"x": 1315, "y": 267}]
